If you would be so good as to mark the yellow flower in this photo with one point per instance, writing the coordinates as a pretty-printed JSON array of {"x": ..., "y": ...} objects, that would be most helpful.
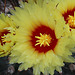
[
  {"x": 67, "y": 11},
  {"x": 39, "y": 40},
  {"x": 5, "y": 22}
]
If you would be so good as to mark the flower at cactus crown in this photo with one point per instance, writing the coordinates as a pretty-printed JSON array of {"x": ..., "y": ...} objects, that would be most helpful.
[
  {"x": 5, "y": 45},
  {"x": 67, "y": 11},
  {"x": 38, "y": 43}
]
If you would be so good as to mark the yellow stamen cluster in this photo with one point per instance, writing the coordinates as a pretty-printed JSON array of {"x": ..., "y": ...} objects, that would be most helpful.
[
  {"x": 44, "y": 39},
  {"x": 71, "y": 20},
  {"x": 3, "y": 40}
]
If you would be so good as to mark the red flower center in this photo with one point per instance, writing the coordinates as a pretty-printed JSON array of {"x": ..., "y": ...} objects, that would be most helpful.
[
  {"x": 2, "y": 33},
  {"x": 69, "y": 17},
  {"x": 43, "y": 39}
]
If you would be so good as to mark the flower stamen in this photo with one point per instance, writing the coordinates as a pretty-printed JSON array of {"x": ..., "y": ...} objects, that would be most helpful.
[
  {"x": 2, "y": 37},
  {"x": 71, "y": 20},
  {"x": 4, "y": 40},
  {"x": 44, "y": 39}
]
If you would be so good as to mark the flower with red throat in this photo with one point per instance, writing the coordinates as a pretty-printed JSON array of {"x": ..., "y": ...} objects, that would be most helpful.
[
  {"x": 67, "y": 11},
  {"x": 38, "y": 43},
  {"x": 5, "y": 46}
]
